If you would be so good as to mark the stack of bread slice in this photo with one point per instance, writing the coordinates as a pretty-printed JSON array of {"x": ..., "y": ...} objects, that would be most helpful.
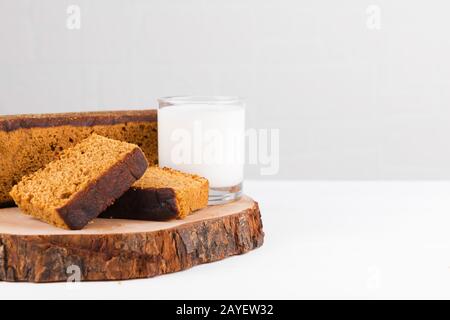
[
  {"x": 30, "y": 142},
  {"x": 102, "y": 177}
]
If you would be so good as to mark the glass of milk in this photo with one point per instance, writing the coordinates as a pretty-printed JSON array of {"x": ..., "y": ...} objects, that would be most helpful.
[{"x": 205, "y": 136}]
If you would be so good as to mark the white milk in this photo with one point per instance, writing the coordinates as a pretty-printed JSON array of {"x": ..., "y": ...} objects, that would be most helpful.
[{"x": 204, "y": 139}]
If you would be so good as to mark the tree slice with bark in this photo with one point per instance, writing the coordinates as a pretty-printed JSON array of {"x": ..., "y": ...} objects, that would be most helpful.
[{"x": 113, "y": 249}]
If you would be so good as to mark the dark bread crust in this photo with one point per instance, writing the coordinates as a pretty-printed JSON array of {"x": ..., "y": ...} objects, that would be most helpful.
[
  {"x": 7, "y": 204},
  {"x": 157, "y": 204},
  {"x": 78, "y": 119},
  {"x": 87, "y": 204}
]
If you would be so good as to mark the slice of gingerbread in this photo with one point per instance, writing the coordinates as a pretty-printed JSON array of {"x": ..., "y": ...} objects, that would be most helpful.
[
  {"x": 83, "y": 182},
  {"x": 30, "y": 142},
  {"x": 161, "y": 194}
]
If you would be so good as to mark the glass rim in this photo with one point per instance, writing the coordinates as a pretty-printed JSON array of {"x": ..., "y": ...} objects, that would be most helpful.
[{"x": 177, "y": 100}]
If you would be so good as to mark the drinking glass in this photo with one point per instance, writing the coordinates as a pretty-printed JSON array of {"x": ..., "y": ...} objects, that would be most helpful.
[{"x": 205, "y": 136}]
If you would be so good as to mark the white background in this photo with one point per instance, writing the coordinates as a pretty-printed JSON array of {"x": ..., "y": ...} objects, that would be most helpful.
[{"x": 351, "y": 102}]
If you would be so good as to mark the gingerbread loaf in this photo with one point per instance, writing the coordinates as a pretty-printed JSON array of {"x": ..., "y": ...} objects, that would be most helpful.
[
  {"x": 29, "y": 142},
  {"x": 161, "y": 194},
  {"x": 83, "y": 182}
]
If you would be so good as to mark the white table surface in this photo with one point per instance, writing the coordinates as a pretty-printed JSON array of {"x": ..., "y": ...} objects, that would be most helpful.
[{"x": 323, "y": 240}]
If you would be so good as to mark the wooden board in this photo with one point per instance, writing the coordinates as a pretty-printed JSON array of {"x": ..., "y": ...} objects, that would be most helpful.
[{"x": 107, "y": 249}]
